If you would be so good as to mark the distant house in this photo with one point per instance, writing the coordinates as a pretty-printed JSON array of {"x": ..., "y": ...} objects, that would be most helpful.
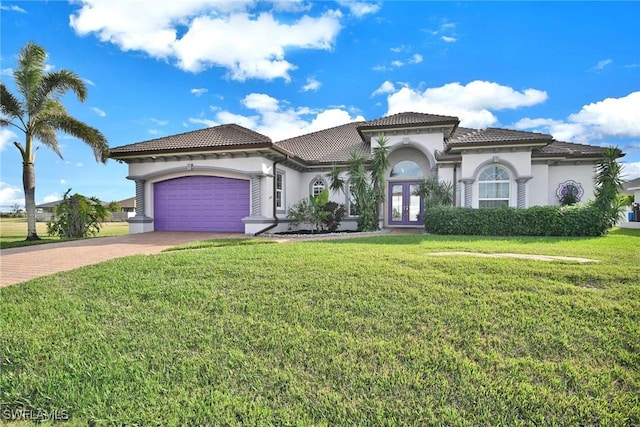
[
  {"x": 632, "y": 187},
  {"x": 231, "y": 179},
  {"x": 44, "y": 211}
]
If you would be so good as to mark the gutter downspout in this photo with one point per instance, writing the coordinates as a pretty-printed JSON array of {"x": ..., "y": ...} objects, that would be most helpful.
[{"x": 275, "y": 216}]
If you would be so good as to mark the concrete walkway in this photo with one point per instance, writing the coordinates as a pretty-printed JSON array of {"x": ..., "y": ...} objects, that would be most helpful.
[{"x": 29, "y": 262}]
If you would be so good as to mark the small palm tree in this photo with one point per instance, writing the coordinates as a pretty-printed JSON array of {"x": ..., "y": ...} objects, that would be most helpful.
[
  {"x": 608, "y": 182},
  {"x": 366, "y": 185},
  {"x": 39, "y": 114}
]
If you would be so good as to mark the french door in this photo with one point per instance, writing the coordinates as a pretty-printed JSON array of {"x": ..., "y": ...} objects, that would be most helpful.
[{"x": 405, "y": 203}]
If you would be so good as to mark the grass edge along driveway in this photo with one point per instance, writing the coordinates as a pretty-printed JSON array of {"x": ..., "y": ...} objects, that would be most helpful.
[{"x": 364, "y": 331}]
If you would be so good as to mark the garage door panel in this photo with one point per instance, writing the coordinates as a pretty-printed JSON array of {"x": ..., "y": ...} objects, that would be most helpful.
[{"x": 201, "y": 203}]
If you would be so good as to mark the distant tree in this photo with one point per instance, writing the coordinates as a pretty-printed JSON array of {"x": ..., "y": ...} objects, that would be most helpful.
[
  {"x": 39, "y": 114},
  {"x": 77, "y": 216},
  {"x": 114, "y": 207},
  {"x": 17, "y": 211}
]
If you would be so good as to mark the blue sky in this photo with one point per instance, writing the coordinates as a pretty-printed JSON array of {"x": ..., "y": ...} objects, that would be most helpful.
[{"x": 284, "y": 68}]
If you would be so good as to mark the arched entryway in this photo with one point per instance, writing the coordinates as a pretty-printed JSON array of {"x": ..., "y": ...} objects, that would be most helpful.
[{"x": 404, "y": 204}]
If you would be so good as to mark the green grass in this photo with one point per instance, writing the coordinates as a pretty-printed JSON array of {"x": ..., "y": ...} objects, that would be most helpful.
[
  {"x": 13, "y": 232},
  {"x": 370, "y": 331}
]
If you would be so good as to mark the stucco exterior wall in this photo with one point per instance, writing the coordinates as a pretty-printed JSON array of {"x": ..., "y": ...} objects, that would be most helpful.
[
  {"x": 538, "y": 190},
  {"x": 517, "y": 164},
  {"x": 581, "y": 173}
]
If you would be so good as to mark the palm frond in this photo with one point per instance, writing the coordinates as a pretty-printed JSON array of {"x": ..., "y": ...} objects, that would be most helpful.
[
  {"x": 56, "y": 84},
  {"x": 89, "y": 135},
  {"x": 11, "y": 108},
  {"x": 47, "y": 135},
  {"x": 336, "y": 183},
  {"x": 31, "y": 63}
]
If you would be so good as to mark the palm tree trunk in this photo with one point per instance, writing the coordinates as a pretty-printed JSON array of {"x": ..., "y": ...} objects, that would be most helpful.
[{"x": 29, "y": 185}]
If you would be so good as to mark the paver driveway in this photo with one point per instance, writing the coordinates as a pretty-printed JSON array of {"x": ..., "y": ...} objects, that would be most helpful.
[{"x": 29, "y": 262}]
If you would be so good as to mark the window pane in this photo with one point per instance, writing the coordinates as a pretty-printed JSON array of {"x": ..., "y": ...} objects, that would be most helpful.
[
  {"x": 318, "y": 187},
  {"x": 493, "y": 203},
  {"x": 406, "y": 168}
]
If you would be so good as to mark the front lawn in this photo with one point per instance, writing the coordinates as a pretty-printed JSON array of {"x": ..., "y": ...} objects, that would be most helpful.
[
  {"x": 13, "y": 231},
  {"x": 370, "y": 331}
]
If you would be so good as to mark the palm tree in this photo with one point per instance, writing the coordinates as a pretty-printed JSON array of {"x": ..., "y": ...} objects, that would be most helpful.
[
  {"x": 39, "y": 114},
  {"x": 366, "y": 185}
]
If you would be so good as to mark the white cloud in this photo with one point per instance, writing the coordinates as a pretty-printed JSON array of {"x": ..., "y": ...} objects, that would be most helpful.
[
  {"x": 386, "y": 87},
  {"x": 89, "y": 82},
  {"x": 7, "y": 72},
  {"x": 10, "y": 195},
  {"x": 473, "y": 103},
  {"x": 446, "y": 31},
  {"x": 400, "y": 49},
  {"x": 611, "y": 117},
  {"x": 416, "y": 59},
  {"x": 153, "y": 131},
  {"x": 199, "y": 91},
  {"x": 631, "y": 170},
  {"x": 13, "y": 8},
  {"x": 277, "y": 120},
  {"x": 6, "y": 137},
  {"x": 79, "y": 164},
  {"x": 360, "y": 8},
  {"x": 63, "y": 181},
  {"x": 200, "y": 34},
  {"x": 601, "y": 64},
  {"x": 312, "y": 84},
  {"x": 207, "y": 123},
  {"x": 159, "y": 122},
  {"x": 99, "y": 112},
  {"x": 54, "y": 197}
]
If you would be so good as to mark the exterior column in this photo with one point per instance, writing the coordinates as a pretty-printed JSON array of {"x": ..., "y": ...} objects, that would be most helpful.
[
  {"x": 256, "y": 194},
  {"x": 140, "y": 223},
  {"x": 522, "y": 191},
  {"x": 140, "y": 197},
  {"x": 468, "y": 191}
]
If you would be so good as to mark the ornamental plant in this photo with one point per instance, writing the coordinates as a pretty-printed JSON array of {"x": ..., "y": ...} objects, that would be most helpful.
[{"x": 77, "y": 216}]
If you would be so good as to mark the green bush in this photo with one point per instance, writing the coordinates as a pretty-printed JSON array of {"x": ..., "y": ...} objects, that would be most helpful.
[
  {"x": 575, "y": 220},
  {"x": 77, "y": 216}
]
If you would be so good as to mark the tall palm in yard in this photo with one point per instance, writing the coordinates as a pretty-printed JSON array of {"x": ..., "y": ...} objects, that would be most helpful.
[{"x": 39, "y": 114}]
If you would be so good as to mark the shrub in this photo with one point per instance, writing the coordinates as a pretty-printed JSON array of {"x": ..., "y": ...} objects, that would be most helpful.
[
  {"x": 317, "y": 211},
  {"x": 77, "y": 216},
  {"x": 575, "y": 220}
]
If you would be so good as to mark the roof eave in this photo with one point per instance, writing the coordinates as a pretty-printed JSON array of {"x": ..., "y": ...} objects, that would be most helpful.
[
  {"x": 462, "y": 146},
  {"x": 196, "y": 150}
]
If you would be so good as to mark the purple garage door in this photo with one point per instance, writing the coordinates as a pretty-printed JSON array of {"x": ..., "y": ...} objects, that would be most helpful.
[{"x": 200, "y": 203}]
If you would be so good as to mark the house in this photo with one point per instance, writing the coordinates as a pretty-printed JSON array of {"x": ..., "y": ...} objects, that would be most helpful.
[
  {"x": 232, "y": 179},
  {"x": 44, "y": 211},
  {"x": 632, "y": 187}
]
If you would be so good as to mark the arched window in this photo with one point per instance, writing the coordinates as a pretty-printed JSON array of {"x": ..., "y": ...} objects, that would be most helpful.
[
  {"x": 317, "y": 186},
  {"x": 493, "y": 187},
  {"x": 406, "y": 168}
]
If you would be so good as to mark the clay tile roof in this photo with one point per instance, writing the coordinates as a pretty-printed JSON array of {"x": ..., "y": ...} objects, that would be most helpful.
[
  {"x": 559, "y": 148},
  {"x": 409, "y": 119},
  {"x": 495, "y": 135},
  {"x": 224, "y": 136},
  {"x": 329, "y": 145}
]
